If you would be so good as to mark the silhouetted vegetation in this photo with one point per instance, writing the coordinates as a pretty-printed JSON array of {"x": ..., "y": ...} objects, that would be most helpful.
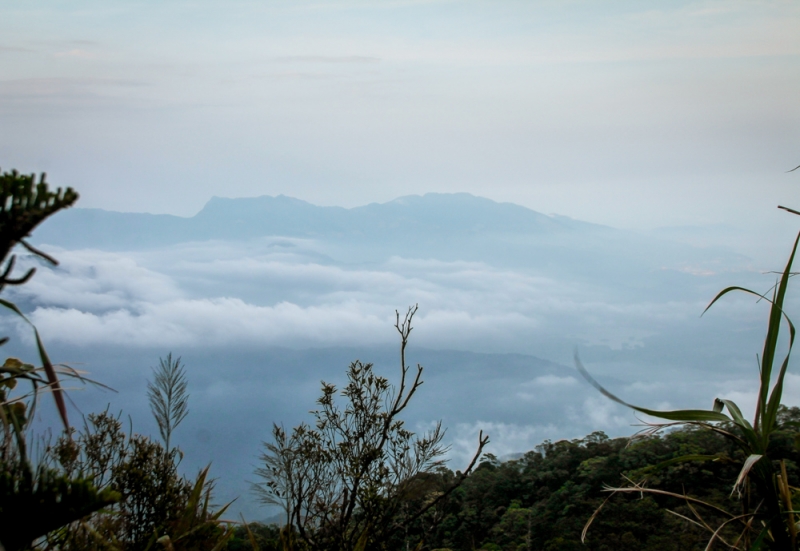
[
  {"x": 255, "y": 535},
  {"x": 345, "y": 482},
  {"x": 34, "y": 499},
  {"x": 766, "y": 515},
  {"x": 99, "y": 488},
  {"x": 542, "y": 500},
  {"x": 155, "y": 504}
]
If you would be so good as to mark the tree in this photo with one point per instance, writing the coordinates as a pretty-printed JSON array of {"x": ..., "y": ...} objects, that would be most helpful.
[
  {"x": 33, "y": 499},
  {"x": 342, "y": 481},
  {"x": 24, "y": 204}
]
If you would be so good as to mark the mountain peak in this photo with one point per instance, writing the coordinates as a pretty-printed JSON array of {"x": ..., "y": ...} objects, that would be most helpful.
[{"x": 431, "y": 216}]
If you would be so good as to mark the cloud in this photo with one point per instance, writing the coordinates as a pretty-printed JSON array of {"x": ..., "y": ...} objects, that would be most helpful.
[
  {"x": 299, "y": 75},
  {"x": 505, "y": 439},
  {"x": 232, "y": 309},
  {"x": 791, "y": 390},
  {"x": 30, "y": 96},
  {"x": 14, "y": 50},
  {"x": 96, "y": 281},
  {"x": 213, "y": 322},
  {"x": 326, "y": 59},
  {"x": 744, "y": 392},
  {"x": 75, "y": 52},
  {"x": 221, "y": 294},
  {"x": 603, "y": 414},
  {"x": 54, "y": 85}
]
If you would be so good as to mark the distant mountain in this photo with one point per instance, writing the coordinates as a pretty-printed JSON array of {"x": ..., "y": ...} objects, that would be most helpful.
[
  {"x": 245, "y": 218},
  {"x": 446, "y": 227}
]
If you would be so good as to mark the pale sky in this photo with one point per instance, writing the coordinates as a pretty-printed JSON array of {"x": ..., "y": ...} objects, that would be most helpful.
[{"x": 612, "y": 112}]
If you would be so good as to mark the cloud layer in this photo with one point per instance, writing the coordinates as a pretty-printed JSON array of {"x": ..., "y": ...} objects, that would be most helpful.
[
  {"x": 260, "y": 323},
  {"x": 227, "y": 294}
]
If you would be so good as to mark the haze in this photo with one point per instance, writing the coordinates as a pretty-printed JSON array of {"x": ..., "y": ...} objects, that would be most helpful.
[
  {"x": 627, "y": 114},
  {"x": 660, "y": 137}
]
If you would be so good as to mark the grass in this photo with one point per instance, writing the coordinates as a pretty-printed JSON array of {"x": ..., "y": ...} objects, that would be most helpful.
[{"x": 767, "y": 519}]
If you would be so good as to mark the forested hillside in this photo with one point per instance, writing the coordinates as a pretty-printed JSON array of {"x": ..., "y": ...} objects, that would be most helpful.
[{"x": 543, "y": 500}]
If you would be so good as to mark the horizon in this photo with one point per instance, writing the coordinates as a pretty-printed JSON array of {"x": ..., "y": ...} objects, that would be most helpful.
[
  {"x": 727, "y": 224},
  {"x": 756, "y": 240},
  {"x": 353, "y": 207}
]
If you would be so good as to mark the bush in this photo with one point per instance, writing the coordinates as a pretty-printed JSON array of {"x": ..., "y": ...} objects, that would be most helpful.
[{"x": 156, "y": 504}]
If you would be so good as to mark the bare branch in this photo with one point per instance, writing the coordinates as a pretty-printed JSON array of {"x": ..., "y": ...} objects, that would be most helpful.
[{"x": 342, "y": 478}]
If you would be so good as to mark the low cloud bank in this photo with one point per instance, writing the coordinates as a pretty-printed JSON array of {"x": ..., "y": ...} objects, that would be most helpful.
[
  {"x": 228, "y": 294},
  {"x": 260, "y": 323}
]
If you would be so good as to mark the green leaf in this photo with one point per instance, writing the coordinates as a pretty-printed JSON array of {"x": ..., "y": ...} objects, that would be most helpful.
[
  {"x": 760, "y": 539},
  {"x": 771, "y": 413},
  {"x": 747, "y": 429},
  {"x": 687, "y": 415},
  {"x": 769, "y": 402},
  {"x": 770, "y": 344},
  {"x": 52, "y": 377},
  {"x": 736, "y": 413}
]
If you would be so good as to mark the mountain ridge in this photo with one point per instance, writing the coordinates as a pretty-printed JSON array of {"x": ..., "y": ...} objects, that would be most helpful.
[
  {"x": 444, "y": 227},
  {"x": 282, "y": 215}
]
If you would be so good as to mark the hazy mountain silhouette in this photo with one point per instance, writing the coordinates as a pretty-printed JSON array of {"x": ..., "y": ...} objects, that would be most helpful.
[
  {"x": 246, "y": 218},
  {"x": 446, "y": 227}
]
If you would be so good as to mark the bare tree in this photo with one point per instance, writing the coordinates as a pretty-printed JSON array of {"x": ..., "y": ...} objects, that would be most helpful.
[{"x": 343, "y": 481}]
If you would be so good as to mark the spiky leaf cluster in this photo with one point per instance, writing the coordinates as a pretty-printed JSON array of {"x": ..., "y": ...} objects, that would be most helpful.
[{"x": 24, "y": 204}]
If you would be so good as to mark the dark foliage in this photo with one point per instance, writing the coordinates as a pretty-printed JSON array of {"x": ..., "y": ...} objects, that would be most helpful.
[
  {"x": 33, "y": 499},
  {"x": 267, "y": 538},
  {"x": 155, "y": 501},
  {"x": 542, "y": 500},
  {"x": 345, "y": 481},
  {"x": 24, "y": 204}
]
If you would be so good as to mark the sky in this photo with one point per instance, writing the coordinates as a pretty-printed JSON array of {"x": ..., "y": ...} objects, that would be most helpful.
[{"x": 630, "y": 114}]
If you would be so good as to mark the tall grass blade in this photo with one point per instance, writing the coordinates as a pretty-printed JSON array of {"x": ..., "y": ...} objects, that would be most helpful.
[
  {"x": 716, "y": 534},
  {"x": 250, "y": 536},
  {"x": 770, "y": 345},
  {"x": 687, "y": 415},
  {"x": 750, "y": 435},
  {"x": 759, "y": 541},
  {"x": 736, "y": 413},
  {"x": 361, "y": 544},
  {"x": 52, "y": 377}
]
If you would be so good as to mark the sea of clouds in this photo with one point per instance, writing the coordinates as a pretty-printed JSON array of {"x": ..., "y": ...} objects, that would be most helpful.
[{"x": 260, "y": 323}]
